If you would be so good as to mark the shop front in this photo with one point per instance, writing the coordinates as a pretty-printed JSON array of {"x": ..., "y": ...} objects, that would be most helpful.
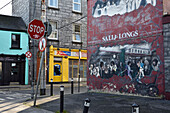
[
  {"x": 12, "y": 69},
  {"x": 65, "y": 64}
]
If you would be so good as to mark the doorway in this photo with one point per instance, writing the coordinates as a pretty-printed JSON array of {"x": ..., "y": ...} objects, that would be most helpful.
[
  {"x": 57, "y": 77},
  {"x": 14, "y": 77}
]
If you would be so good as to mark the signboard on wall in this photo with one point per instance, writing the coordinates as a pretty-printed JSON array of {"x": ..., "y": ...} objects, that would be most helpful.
[
  {"x": 125, "y": 46},
  {"x": 70, "y": 53}
]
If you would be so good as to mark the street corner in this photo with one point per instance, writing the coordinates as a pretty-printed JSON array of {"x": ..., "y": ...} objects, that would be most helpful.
[{"x": 40, "y": 100}]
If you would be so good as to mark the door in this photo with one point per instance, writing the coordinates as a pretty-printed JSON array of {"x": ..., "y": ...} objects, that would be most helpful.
[
  {"x": 57, "y": 72},
  {"x": 14, "y": 72}
]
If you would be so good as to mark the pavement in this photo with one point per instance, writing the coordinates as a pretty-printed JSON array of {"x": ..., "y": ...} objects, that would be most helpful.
[{"x": 74, "y": 103}]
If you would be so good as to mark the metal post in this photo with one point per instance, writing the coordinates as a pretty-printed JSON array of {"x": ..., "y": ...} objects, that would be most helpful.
[
  {"x": 61, "y": 99},
  {"x": 51, "y": 87},
  {"x": 43, "y": 77},
  {"x": 135, "y": 108},
  {"x": 32, "y": 82},
  {"x": 72, "y": 87},
  {"x": 42, "y": 82},
  {"x": 86, "y": 105},
  {"x": 38, "y": 81},
  {"x": 79, "y": 74}
]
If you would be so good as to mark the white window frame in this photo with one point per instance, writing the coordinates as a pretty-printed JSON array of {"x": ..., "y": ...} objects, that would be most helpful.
[
  {"x": 53, "y": 4},
  {"x": 54, "y": 31},
  {"x": 78, "y": 4},
  {"x": 73, "y": 33}
]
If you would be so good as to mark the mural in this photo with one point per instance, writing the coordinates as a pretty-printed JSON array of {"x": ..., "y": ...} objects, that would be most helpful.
[
  {"x": 125, "y": 46},
  {"x": 135, "y": 61},
  {"x": 115, "y": 7}
]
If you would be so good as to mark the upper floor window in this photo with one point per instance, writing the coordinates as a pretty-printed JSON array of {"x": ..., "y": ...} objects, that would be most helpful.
[
  {"x": 53, "y": 3},
  {"x": 77, "y": 5},
  {"x": 77, "y": 33},
  {"x": 54, "y": 34},
  {"x": 15, "y": 41}
]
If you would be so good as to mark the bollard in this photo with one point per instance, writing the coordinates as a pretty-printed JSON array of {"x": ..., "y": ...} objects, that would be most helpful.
[
  {"x": 86, "y": 105},
  {"x": 51, "y": 87},
  {"x": 72, "y": 88},
  {"x": 135, "y": 108},
  {"x": 61, "y": 99}
]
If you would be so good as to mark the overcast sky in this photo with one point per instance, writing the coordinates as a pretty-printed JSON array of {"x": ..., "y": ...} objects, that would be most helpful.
[{"x": 6, "y": 10}]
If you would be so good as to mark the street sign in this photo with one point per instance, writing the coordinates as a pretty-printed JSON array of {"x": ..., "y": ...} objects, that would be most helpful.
[
  {"x": 42, "y": 44},
  {"x": 48, "y": 28},
  {"x": 36, "y": 29},
  {"x": 28, "y": 54}
]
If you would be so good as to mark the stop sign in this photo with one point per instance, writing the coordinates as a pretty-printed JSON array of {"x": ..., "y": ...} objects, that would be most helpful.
[{"x": 36, "y": 29}]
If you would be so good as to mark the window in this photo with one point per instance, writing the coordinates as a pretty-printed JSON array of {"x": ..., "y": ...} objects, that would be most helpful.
[
  {"x": 53, "y": 3},
  {"x": 77, "y": 33},
  {"x": 74, "y": 68},
  {"x": 54, "y": 34},
  {"x": 15, "y": 41},
  {"x": 57, "y": 70},
  {"x": 77, "y": 5}
]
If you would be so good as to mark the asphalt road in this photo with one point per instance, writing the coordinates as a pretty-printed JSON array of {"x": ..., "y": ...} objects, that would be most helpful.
[{"x": 12, "y": 99}]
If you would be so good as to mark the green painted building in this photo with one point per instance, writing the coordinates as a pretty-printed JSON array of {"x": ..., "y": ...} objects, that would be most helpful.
[{"x": 14, "y": 43}]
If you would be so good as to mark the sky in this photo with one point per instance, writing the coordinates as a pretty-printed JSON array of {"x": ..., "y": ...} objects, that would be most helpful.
[{"x": 6, "y": 10}]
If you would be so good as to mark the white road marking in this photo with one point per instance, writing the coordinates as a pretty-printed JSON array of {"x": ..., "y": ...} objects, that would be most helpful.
[
  {"x": 9, "y": 98},
  {"x": 1, "y": 99}
]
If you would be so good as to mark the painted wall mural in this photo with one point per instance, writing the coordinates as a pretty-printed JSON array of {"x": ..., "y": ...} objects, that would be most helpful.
[
  {"x": 125, "y": 46},
  {"x": 114, "y": 7}
]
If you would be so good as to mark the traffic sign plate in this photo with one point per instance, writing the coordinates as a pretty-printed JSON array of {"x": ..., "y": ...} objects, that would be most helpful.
[
  {"x": 36, "y": 29},
  {"x": 42, "y": 44},
  {"x": 28, "y": 54}
]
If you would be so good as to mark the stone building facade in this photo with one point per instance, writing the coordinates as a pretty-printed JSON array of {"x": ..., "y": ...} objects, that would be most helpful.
[
  {"x": 166, "y": 34},
  {"x": 63, "y": 15},
  {"x": 68, "y": 19}
]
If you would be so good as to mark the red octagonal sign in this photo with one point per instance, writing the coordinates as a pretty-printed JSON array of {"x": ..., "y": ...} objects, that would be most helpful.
[{"x": 36, "y": 29}]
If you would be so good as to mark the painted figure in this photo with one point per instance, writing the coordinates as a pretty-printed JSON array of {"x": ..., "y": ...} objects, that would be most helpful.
[
  {"x": 129, "y": 70},
  {"x": 91, "y": 69}
]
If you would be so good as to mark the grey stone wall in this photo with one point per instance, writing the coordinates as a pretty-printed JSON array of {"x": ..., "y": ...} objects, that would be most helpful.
[
  {"x": 63, "y": 15},
  {"x": 166, "y": 34},
  {"x": 21, "y": 8}
]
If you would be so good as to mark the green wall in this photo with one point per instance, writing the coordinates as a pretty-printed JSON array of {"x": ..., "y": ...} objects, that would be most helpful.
[{"x": 5, "y": 45}]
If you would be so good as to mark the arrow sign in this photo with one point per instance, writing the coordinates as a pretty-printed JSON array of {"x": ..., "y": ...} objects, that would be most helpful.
[{"x": 42, "y": 44}]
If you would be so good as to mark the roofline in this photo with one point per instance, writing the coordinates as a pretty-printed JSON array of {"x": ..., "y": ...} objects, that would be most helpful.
[
  {"x": 166, "y": 19},
  {"x": 13, "y": 30},
  {"x": 10, "y": 16}
]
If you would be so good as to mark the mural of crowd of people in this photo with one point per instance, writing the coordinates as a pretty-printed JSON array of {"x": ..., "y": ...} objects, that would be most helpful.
[{"x": 135, "y": 61}]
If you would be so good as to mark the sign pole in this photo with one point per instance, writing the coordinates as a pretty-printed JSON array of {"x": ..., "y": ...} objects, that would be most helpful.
[
  {"x": 79, "y": 73},
  {"x": 43, "y": 78},
  {"x": 38, "y": 81}
]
